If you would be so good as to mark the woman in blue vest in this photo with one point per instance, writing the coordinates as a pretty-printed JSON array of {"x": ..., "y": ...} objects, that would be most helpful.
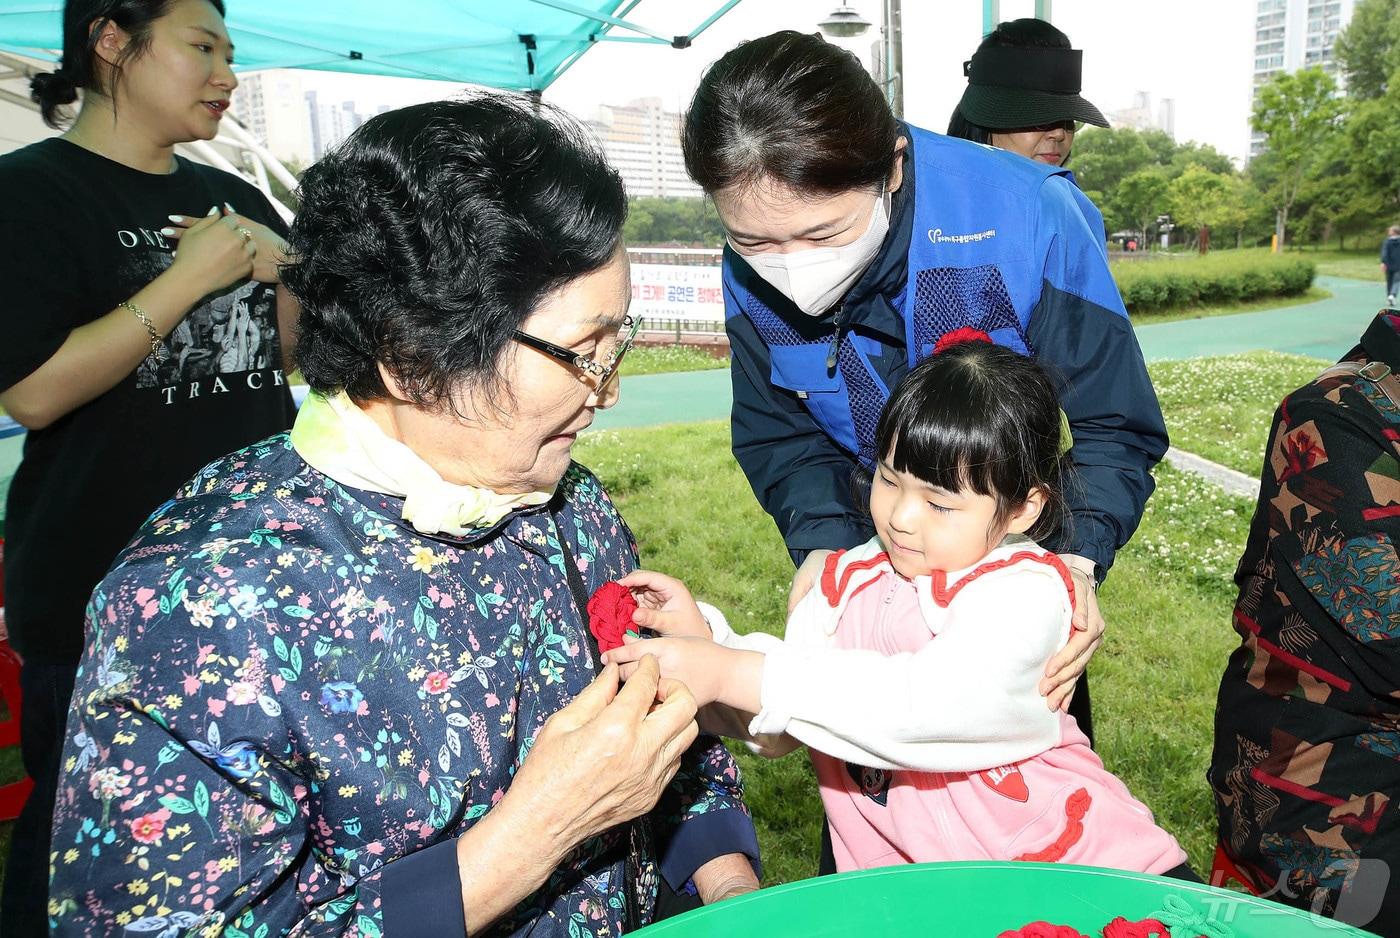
[{"x": 855, "y": 243}]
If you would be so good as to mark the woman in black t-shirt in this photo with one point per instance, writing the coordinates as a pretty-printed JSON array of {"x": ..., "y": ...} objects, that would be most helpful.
[{"x": 109, "y": 340}]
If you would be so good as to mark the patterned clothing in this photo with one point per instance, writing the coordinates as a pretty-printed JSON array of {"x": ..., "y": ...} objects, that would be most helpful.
[
  {"x": 1307, "y": 728},
  {"x": 291, "y": 703}
]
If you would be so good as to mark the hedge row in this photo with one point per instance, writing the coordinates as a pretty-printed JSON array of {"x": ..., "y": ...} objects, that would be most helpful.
[{"x": 1175, "y": 282}]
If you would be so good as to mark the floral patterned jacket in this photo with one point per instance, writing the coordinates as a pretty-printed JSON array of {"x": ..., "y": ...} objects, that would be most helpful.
[
  {"x": 291, "y": 702},
  {"x": 1306, "y": 766}
]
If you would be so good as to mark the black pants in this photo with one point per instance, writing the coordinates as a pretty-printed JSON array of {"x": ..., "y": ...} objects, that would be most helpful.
[
  {"x": 1079, "y": 708},
  {"x": 44, "y": 693}
]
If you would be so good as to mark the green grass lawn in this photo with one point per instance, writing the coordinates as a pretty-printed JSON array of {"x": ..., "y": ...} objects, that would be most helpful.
[
  {"x": 1220, "y": 408},
  {"x": 1358, "y": 265},
  {"x": 656, "y": 359}
]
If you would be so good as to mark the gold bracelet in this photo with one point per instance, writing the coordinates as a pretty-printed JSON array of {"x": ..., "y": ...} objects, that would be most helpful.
[{"x": 157, "y": 350}]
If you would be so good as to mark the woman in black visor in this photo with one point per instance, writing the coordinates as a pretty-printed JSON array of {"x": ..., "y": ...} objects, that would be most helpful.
[{"x": 1023, "y": 93}]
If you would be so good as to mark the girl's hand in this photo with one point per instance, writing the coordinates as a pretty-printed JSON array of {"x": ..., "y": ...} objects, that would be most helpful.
[
  {"x": 213, "y": 253},
  {"x": 712, "y": 672},
  {"x": 1086, "y": 634},
  {"x": 806, "y": 577},
  {"x": 270, "y": 250},
  {"x": 664, "y": 605}
]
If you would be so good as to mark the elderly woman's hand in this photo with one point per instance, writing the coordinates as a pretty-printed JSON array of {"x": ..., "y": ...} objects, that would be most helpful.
[
  {"x": 607, "y": 756},
  {"x": 1086, "y": 635},
  {"x": 600, "y": 761}
]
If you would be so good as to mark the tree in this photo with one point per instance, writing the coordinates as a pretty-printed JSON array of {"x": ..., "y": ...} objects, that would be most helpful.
[
  {"x": 1103, "y": 157},
  {"x": 1367, "y": 48},
  {"x": 673, "y": 221},
  {"x": 1297, "y": 113},
  {"x": 1140, "y": 198},
  {"x": 1373, "y": 147},
  {"x": 1196, "y": 198},
  {"x": 280, "y": 192},
  {"x": 1337, "y": 198},
  {"x": 1161, "y": 144},
  {"x": 1232, "y": 212},
  {"x": 1200, "y": 154}
]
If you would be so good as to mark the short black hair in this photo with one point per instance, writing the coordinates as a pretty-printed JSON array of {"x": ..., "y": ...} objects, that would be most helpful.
[
  {"x": 982, "y": 417},
  {"x": 426, "y": 238},
  {"x": 83, "y": 22},
  {"x": 1025, "y": 33},
  {"x": 790, "y": 108}
]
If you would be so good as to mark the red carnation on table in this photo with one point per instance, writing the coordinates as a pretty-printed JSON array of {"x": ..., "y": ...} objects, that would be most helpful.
[
  {"x": 959, "y": 336},
  {"x": 1043, "y": 930},
  {"x": 610, "y": 615}
]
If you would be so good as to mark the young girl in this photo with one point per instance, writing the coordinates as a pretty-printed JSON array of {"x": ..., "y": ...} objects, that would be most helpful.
[{"x": 911, "y": 670}]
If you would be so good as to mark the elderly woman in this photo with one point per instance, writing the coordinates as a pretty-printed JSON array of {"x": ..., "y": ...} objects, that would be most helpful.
[
  {"x": 1306, "y": 766},
  {"x": 342, "y": 683}
]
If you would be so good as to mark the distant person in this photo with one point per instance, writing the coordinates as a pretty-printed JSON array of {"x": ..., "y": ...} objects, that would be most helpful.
[
  {"x": 101, "y": 352},
  {"x": 1022, "y": 93},
  {"x": 1390, "y": 264},
  {"x": 1132, "y": 245},
  {"x": 1306, "y": 767}
]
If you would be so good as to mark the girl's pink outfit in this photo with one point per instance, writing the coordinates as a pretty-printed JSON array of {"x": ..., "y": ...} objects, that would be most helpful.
[{"x": 919, "y": 703}]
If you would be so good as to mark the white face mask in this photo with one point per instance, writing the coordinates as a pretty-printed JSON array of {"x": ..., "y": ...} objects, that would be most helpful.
[{"x": 817, "y": 278}]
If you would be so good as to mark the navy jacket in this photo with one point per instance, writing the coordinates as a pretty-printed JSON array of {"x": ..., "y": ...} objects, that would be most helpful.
[
  {"x": 978, "y": 237},
  {"x": 1390, "y": 255}
]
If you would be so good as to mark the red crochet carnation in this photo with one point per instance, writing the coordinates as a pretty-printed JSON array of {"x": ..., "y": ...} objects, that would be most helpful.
[
  {"x": 959, "y": 336},
  {"x": 1042, "y": 929},
  {"x": 610, "y": 615}
]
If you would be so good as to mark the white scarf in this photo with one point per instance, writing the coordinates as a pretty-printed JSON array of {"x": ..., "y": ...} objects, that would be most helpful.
[{"x": 338, "y": 439}]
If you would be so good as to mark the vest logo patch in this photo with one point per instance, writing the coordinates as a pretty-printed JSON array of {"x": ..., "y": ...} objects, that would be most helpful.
[
  {"x": 937, "y": 236},
  {"x": 1007, "y": 781},
  {"x": 873, "y": 783}
]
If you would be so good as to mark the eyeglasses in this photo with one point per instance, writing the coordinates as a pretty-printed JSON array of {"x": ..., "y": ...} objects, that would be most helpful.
[
  {"x": 602, "y": 373},
  {"x": 1068, "y": 126}
]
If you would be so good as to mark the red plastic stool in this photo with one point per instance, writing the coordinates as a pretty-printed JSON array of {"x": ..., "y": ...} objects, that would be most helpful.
[
  {"x": 13, "y": 795},
  {"x": 1223, "y": 869}
]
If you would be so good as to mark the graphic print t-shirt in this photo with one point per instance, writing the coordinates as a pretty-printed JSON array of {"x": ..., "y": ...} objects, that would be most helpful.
[{"x": 80, "y": 233}]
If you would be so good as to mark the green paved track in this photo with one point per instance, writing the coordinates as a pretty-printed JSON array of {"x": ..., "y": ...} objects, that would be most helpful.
[{"x": 1324, "y": 329}]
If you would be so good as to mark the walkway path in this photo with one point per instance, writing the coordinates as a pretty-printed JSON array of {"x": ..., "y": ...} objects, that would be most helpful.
[{"x": 1324, "y": 329}]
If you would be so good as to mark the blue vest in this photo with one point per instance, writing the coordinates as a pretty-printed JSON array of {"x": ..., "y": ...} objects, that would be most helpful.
[{"x": 977, "y": 258}]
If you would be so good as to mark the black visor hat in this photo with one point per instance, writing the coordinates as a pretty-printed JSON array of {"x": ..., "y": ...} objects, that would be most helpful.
[{"x": 1014, "y": 87}]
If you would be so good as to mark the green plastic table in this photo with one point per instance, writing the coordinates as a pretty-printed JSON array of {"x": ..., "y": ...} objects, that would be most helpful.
[{"x": 983, "y": 899}]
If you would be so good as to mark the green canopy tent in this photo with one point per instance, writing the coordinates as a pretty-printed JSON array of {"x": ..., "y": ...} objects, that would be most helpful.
[{"x": 520, "y": 45}]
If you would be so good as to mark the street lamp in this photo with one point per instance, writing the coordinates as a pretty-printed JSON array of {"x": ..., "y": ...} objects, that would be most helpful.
[{"x": 844, "y": 23}]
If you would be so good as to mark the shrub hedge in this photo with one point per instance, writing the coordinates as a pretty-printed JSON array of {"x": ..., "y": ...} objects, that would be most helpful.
[{"x": 1175, "y": 282}]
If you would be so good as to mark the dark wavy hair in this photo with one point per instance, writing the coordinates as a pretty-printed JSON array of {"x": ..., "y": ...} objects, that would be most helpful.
[
  {"x": 427, "y": 237},
  {"x": 83, "y": 22},
  {"x": 792, "y": 108},
  {"x": 979, "y": 416},
  {"x": 1025, "y": 33}
]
